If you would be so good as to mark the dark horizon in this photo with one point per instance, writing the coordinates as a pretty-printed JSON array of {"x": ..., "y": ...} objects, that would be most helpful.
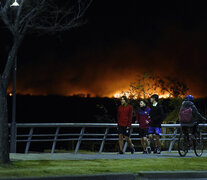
[{"x": 60, "y": 109}]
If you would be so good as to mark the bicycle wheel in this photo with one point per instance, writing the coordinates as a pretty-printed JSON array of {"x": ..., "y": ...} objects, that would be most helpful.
[
  {"x": 198, "y": 145},
  {"x": 182, "y": 145}
]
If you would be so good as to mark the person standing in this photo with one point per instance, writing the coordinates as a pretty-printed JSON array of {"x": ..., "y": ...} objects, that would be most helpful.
[
  {"x": 157, "y": 116},
  {"x": 124, "y": 119},
  {"x": 143, "y": 119}
]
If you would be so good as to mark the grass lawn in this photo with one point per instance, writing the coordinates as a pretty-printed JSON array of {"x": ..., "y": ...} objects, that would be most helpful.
[{"x": 69, "y": 167}]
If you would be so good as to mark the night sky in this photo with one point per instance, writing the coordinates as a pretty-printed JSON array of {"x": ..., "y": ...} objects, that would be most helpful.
[{"x": 120, "y": 40}]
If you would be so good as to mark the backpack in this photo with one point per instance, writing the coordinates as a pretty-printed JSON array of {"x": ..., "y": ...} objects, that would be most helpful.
[{"x": 185, "y": 115}]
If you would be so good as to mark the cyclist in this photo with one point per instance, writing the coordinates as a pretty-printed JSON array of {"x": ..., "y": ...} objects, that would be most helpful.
[{"x": 189, "y": 117}]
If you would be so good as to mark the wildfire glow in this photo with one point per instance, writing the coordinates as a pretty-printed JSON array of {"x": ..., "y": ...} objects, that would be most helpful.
[
  {"x": 164, "y": 95},
  {"x": 123, "y": 93},
  {"x": 120, "y": 94}
]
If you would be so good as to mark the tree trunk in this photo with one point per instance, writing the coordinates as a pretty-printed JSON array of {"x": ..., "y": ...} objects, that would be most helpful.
[
  {"x": 4, "y": 79},
  {"x": 4, "y": 138}
]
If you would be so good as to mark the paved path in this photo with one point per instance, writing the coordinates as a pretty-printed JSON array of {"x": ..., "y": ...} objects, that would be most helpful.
[{"x": 71, "y": 156}]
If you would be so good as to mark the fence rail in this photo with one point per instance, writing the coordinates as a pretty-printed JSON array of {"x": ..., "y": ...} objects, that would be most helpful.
[{"x": 84, "y": 135}]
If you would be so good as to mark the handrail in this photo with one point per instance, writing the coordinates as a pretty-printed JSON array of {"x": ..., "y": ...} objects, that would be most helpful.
[
  {"x": 83, "y": 136},
  {"x": 86, "y": 125}
]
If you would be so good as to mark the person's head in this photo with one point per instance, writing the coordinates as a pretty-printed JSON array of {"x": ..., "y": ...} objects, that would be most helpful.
[
  {"x": 154, "y": 98},
  {"x": 143, "y": 103},
  {"x": 124, "y": 100},
  {"x": 189, "y": 98}
]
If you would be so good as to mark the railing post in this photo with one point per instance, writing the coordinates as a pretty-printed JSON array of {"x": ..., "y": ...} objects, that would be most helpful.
[
  {"x": 103, "y": 141},
  {"x": 29, "y": 140},
  {"x": 126, "y": 144},
  {"x": 55, "y": 140},
  {"x": 173, "y": 140},
  {"x": 79, "y": 140}
]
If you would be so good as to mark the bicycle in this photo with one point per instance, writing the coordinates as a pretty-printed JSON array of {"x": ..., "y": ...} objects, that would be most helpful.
[{"x": 195, "y": 142}]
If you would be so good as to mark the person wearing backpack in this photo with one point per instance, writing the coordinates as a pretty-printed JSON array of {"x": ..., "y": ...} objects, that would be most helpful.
[{"x": 189, "y": 116}]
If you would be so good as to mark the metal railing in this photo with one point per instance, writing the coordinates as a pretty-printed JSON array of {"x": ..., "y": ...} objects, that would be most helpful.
[{"x": 83, "y": 135}]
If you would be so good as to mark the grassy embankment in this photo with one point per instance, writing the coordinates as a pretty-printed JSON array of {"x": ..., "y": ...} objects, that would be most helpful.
[{"x": 77, "y": 167}]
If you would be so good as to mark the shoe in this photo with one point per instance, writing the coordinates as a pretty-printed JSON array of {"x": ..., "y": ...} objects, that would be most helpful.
[
  {"x": 145, "y": 152},
  {"x": 158, "y": 151},
  {"x": 120, "y": 152},
  {"x": 148, "y": 150},
  {"x": 132, "y": 149},
  {"x": 155, "y": 150}
]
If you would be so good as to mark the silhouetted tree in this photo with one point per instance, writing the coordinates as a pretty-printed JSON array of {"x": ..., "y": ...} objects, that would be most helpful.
[
  {"x": 33, "y": 16},
  {"x": 144, "y": 86},
  {"x": 148, "y": 84},
  {"x": 173, "y": 86}
]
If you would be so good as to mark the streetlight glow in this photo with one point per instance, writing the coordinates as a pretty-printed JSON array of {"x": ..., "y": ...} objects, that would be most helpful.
[{"x": 15, "y": 3}]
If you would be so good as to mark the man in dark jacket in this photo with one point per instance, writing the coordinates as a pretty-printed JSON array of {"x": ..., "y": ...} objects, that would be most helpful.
[
  {"x": 189, "y": 116},
  {"x": 156, "y": 116}
]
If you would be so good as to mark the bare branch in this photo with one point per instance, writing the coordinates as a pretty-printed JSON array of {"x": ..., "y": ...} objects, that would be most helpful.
[
  {"x": 59, "y": 19},
  {"x": 4, "y": 15},
  {"x": 43, "y": 15}
]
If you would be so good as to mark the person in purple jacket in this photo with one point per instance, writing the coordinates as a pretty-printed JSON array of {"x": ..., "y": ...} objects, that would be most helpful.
[{"x": 143, "y": 119}]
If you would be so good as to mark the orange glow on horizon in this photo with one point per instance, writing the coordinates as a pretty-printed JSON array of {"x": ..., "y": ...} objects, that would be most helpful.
[
  {"x": 120, "y": 94},
  {"x": 88, "y": 93},
  {"x": 85, "y": 94}
]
